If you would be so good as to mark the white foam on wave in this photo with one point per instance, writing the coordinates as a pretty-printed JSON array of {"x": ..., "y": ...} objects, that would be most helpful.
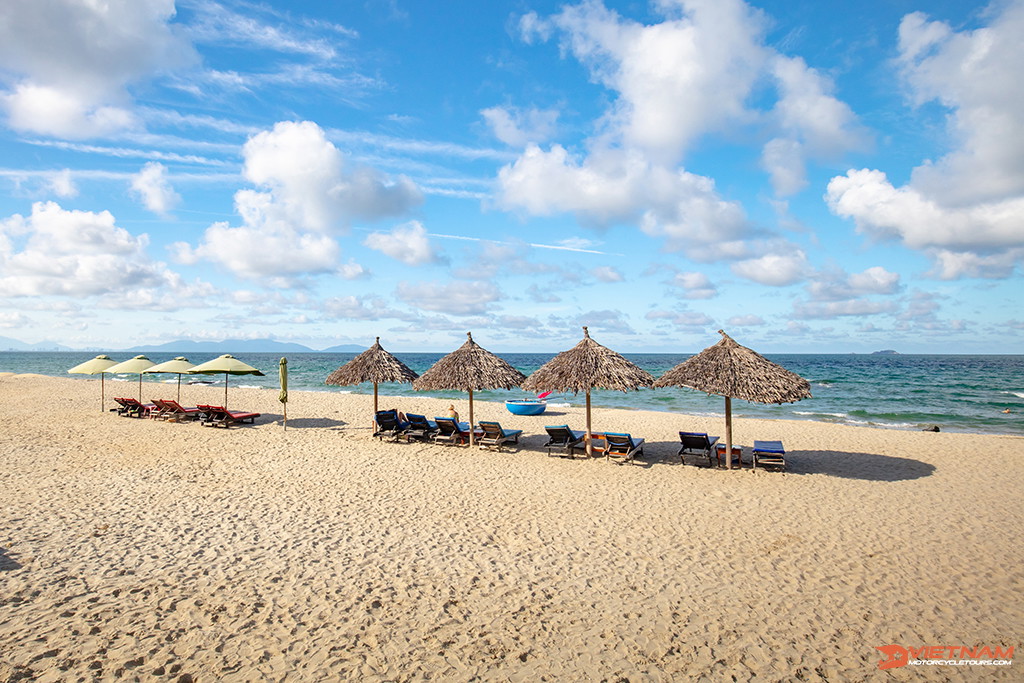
[
  {"x": 559, "y": 405},
  {"x": 841, "y": 416},
  {"x": 248, "y": 386}
]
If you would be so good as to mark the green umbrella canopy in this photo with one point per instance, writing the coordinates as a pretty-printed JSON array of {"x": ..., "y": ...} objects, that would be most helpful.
[
  {"x": 97, "y": 366},
  {"x": 225, "y": 365},
  {"x": 177, "y": 366},
  {"x": 132, "y": 366}
]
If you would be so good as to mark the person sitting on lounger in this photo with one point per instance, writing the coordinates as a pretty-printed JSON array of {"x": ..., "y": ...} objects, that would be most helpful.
[{"x": 452, "y": 413}]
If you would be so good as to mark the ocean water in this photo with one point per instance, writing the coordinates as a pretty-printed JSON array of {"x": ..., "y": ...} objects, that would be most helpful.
[{"x": 957, "y": 393}]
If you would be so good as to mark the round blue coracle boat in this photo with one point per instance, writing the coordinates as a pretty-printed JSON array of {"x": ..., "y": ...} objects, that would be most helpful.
[{"x": 528, "y": 406}]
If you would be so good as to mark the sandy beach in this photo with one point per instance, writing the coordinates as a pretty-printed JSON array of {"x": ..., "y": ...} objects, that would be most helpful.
[{"x": 143, "y": 550}]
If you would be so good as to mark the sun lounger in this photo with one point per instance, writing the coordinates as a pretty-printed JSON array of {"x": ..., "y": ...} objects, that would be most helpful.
[
  {"x": 388, "y": 425},
  {"x": 622, "y": 445},
  {"x": 696, "y": 442},
  {"x": 219, "y": 416},
  {"x": 494, "y": 436},
  {"x": 130, "y": 407},
  {"x": 420, "y": 428},
  {"x": 560, "y": 436},
  {"x": 768, "y": 453},
  {"x": 172, "y": 411},
  {"x": 451, "y": 432}
]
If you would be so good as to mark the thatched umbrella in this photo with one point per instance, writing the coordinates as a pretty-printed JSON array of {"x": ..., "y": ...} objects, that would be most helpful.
[
  {"x": 586, "y": 366},
  {"x": 372, "y": 365},
  {"x": 470, "y": 367},
  {"x": 731, "y": 370}
]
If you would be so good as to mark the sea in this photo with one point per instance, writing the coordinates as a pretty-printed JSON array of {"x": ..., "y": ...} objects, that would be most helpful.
[{"x": 957, "y": 393}]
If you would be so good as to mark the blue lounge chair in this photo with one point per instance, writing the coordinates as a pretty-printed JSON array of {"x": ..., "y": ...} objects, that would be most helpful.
[
  {"x": 451, "y": 432},
  {"x": 622, "y": 445},
  {"x": 696, "y": 442},
  {"x": 388, "y": 424},
  {"x": 420, "y": 428},
  {"x": 563, "y": 437},
  {"x": 494, "y": 436},
  {"x": 768, "y": 453}
]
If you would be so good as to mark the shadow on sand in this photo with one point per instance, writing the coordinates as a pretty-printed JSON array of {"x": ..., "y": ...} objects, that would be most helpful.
[
  {"x": 864, "y": 466},
  {"x": 302, "y": 422},
  {"x": 7, "y": 563}
]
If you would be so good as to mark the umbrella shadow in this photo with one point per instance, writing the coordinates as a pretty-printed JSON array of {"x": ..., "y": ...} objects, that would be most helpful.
[
  {"x": 7, "y": 563},
  {"x": 864, "y": 466},
  {"x": 842, "y": 464},
  {"x": 306, "y": 422}
]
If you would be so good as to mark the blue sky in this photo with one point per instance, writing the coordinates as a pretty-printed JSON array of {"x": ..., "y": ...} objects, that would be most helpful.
[{"x": 806, "y": 177}]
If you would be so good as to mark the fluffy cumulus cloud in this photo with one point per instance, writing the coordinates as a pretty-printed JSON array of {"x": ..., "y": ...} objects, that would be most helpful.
[
  {"x": 407, "y": 243},
  {"x": 693, "y": 285},
  {"x": 153, "y": 188},
  {"x": 838, "y": 285},
  {"x": 519, "y": 127},
  {"x": 966, "y": 209},
  {"x": 607, "y": 274},
  {"x": 55, "y": 252},
  {"x": 777, "y": 269},
  {"x": 306, "y": 194},
  {"x": 68, "y": 63},
  {"x": 692, "y": 74}
]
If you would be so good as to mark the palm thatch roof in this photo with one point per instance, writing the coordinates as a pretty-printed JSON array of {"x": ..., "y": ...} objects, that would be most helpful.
[
  {"x": 372, "y": 365},
  {"x": 730, "y": 369},
  {"x": 469, "y": 367},
  {"x": 586, "y": 366}
]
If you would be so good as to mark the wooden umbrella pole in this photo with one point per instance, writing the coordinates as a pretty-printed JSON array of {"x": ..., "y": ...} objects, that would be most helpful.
[
  {"x": 179, "y": 387},
  {"x": 590, "y": 438},
  {"x": 103, "y": 397},
  {"x": 373, "y": 426},
  {"x": 225, "y": 391},
  {"x": 472, "y": 439},
  {"x": 728, "y": 433}
]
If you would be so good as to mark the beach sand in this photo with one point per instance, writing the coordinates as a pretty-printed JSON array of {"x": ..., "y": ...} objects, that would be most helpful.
[{"x": 142, "y": 550}]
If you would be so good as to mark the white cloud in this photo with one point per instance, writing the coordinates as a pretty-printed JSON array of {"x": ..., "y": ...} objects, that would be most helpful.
[
  {"x": 620, "y": 187},
  {"x": 607, "y": 274},
  {"x": 518, "y": 127},
  {"x": 308, "y": 195},
  {"x": 884, "y": 211},
  {"x": 776, "y": 270},
  {"x": 814, "y": 123},
  {"x": 353, "y": 271},
  {"x": 692, "y": 74},
  {"x": 828, "y": 310},
  {"x": 80, "y": 254},
  {"x": 454, "y": 298},
  {"x": 693, "y": 285},
  {"x": 13, "y": 320},
  {"x": 407, "y": 243},
  {"x": 681, "y": 318},
  {"x": 62, "y": 185},
  {"x": 836, "y": 286},
  {"x": 71, "y": 61},
  {"x": 252, "y": 252},
  {"x": 967, "y": 208},
  {"x": 309, "y": 186},
  {"x": 745, "y": 321},
  {"x": 152, "y": 186}
]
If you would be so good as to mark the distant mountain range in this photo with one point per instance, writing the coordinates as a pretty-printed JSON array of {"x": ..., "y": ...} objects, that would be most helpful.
[
  {"x": 188, "y": 346},
  {"x": 8, "y": 344}
]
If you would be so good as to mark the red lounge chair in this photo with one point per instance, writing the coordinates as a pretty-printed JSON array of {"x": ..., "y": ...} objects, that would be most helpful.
[
  {"x": 219, "y": 416},
  {"x": 172, "y": 411},
  {"x": 131, "y": 407}
]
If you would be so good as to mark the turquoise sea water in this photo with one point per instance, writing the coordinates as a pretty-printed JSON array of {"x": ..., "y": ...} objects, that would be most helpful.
[{"x": 957, "y": 393}]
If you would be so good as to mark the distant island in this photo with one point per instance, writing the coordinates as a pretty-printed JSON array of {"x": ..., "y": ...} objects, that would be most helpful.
[{"x": 886, "y": 352}]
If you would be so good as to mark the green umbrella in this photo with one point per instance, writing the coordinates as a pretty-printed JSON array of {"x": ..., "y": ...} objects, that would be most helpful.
[
  {"x": 179, "y": 366},
  {"x": 132, "y": 366},
  {"x": 226, "y": 365},
  {"x": 282, "y": 369},
  {"x": 100, "y": 365}
]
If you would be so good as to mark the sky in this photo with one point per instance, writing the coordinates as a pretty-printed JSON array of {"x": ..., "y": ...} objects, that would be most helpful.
[{"x": 807, "y": 176}]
